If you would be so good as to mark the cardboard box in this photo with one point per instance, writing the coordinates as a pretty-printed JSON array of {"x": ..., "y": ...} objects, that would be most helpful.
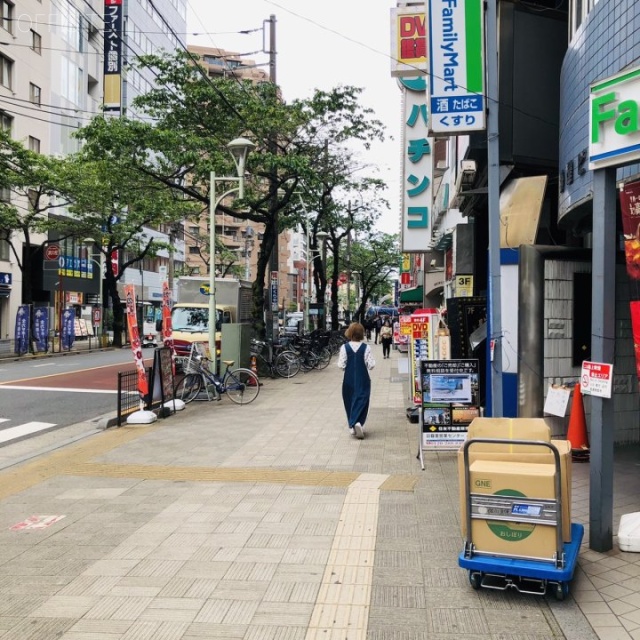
[
  {"x": 517, "y": 536},
  {"x": 528, "y": 454},
  {"x": 509, "y": 429}
]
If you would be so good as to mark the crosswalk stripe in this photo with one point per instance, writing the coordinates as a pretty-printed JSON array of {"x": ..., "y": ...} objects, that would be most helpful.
[
  {"x": 25, "y": 429},
  {"x": 5, "y": 419}
]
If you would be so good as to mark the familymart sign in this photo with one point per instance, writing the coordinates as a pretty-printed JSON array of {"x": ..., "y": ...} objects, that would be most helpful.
[{"x": 614, "y": 120}]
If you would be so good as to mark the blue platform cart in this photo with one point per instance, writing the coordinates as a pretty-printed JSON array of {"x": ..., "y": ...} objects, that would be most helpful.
[{"x": 535, "y": 575}]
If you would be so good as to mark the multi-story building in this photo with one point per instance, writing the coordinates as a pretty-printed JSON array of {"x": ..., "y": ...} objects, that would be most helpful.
[{"x": 51, "y": 84}]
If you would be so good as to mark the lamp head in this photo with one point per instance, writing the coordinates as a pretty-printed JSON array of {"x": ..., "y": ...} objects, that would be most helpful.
[
  {"x": 239, "y": 149},
  {"x": 322, "y": 235}
]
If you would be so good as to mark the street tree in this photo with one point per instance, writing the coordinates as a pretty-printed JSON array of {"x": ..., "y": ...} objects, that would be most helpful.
[
  {"x": 374, "y": 260},
  {"x": 196, "y": 116},
  {"x": 30, "y": 186},
  {"x": 114, "y": 202}
]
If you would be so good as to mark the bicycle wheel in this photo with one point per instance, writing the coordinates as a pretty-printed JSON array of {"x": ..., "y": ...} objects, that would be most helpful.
[
  {"x": 287, "y": 364},
  {"x": 308, "y": 360},
  {"x": 324, "y": 358},
  {"x": 189, "y": 387},
  {"x": 242, "y": 386}
]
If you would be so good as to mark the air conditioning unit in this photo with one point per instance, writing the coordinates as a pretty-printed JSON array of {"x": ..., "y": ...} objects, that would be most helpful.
[{"x": 468, "y": 170}]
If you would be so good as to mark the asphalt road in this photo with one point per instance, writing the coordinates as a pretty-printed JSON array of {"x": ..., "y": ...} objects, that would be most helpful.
[{"x": 55, "y": 392}]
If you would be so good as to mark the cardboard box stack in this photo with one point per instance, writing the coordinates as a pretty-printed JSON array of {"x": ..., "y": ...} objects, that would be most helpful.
[{"x": 526, "y": 470}]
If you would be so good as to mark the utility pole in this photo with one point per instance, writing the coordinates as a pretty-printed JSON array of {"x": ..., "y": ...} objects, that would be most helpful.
[
  {"x": 274, "y": 261},
  {"x": 349, "y": 314},
  {"x": 494, "y": 339}
]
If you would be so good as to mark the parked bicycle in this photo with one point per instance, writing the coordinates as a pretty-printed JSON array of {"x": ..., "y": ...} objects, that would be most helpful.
[
  {"x": 278, "y": 360},
  {"x": 242, "y": 386}
]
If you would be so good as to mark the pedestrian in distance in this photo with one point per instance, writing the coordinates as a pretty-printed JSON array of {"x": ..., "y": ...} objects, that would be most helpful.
[
  {"x": 356, "y": 360},
  {"x": 368, "y": 325},
  {"x": 386, "y": 337},
  {"x": 376, "y": 327}
]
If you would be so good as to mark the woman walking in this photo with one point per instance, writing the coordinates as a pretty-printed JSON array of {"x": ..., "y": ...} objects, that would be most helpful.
[
  {"x": 386, "y": 337},
  {"x": 356, "y": 360}
]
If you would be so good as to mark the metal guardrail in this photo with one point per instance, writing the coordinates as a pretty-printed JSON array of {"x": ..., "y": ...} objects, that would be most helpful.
[{"x": 128, "y": 396}]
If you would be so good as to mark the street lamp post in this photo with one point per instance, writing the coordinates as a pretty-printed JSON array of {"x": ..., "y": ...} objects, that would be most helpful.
[{"x": 239, "y": 148}]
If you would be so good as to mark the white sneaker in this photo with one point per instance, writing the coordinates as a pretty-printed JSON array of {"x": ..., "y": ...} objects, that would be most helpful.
[
  {"x": 359, "y": 431},
  {"x": 352, "y": 431}
]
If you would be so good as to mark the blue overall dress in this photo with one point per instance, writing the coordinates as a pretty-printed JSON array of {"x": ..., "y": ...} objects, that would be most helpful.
[{"x": 356, "y": 385}]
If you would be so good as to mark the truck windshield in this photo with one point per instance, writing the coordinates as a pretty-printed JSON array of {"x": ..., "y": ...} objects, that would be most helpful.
[{"x": 192, "y": 319}]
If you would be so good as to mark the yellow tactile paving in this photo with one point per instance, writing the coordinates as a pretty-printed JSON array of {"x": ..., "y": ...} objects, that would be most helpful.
[
  {"x": 342, "y": 607},
  {"x": 76, "y": 460}
]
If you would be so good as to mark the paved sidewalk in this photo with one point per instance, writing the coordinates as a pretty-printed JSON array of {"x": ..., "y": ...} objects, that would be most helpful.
[{"x": 269, "y": 522}]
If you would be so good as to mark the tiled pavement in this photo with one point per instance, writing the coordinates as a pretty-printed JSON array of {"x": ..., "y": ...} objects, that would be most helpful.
[{"x": 269, "y": 522}]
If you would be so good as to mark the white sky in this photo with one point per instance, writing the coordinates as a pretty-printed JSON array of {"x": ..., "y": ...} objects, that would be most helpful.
[{"x": 320, "y": 44}]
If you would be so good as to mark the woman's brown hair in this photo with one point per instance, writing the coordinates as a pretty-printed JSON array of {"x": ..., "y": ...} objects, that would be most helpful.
[{"x": 355, "y": 332}]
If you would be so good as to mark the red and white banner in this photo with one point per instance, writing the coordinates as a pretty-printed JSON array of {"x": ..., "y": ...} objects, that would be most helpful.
[
  {"x": 167, "y": 329},
  {"x": 134, "y": 339}
]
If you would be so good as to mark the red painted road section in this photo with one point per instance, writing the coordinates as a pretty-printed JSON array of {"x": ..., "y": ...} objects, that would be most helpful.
[{"x": 99, "y": 378}]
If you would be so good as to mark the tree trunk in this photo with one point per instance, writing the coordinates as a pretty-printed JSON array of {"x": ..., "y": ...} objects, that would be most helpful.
[
  {"x": 264, "y": 257},
  {"x": 118, "y": 311}
]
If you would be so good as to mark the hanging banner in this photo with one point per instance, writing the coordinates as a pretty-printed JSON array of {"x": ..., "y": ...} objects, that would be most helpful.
[
  {"x": 113, "y": 17},
  {"x": 630, "y": 208},
  {"x": 167, "y": 328},
  {"x": 41, "y": 328},
  {"x": 22, "y": 329},
  {"x": 134, "y": 339},
  {"x": 68, "y": 328},
  {"x": 635, "y": 326}
]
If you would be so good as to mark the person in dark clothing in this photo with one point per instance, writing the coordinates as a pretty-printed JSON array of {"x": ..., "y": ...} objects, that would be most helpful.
[
  {"x": 368, "y": 325},
  {"x": 356, "y": 360},
  {"x": 386, "y": 338},
  {"x": 377, "y": 326}
]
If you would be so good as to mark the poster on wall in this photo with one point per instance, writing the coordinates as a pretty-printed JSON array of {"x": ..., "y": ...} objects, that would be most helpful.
[
  {"x": 630, "y": 211},
  {"x": 167, "y": 327}
]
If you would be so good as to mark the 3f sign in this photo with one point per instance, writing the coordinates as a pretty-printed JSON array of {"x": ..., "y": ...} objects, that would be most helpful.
[{"x": 614, "y": 115}]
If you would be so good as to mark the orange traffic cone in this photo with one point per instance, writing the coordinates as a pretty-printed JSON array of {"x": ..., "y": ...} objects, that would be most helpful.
[
  {"x": 254, "y": 364},
  {"x": 577, "y": 432}
]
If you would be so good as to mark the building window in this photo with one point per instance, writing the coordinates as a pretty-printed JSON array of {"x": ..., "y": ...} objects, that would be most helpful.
[
  {"x": 194, "y": 231},
  {"x": 36, "y": 41},
  {"x": 34, "y": 144},
  {"x": 194, "y": 250},
  {"x": 35, "y": 94},
  {"x": 4, "y": 250},
  {"x": 6, "y": 71},
  {"x": 5, "y": 194},
  {"x": 7, "y": 16},
  {"x": 6, "y": 122}
]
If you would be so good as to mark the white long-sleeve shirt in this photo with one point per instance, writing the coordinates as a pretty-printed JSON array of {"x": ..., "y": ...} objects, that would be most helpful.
[{"x": 354, "y": 346}]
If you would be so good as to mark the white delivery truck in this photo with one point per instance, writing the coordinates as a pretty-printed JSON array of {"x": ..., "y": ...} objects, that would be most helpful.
[{"x": 190, "y": 313}]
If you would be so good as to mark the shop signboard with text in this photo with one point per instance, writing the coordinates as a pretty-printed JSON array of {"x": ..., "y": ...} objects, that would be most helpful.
[
  {"x": 614, "y": 120},
  {"x": 456, "y": 58}
]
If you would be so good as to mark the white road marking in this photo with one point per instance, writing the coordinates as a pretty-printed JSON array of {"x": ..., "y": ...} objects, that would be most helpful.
[
  {"x": 23, "y": 430},
  {"x": 27, "y": 388},
  {"x": 4, "y": 419},
  {"x": 46, "y": 364}
]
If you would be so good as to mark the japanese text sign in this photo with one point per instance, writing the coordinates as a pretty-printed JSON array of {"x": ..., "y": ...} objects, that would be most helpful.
[
  {"x": 456, "y": 57},
  {"x": 596, "y": 379}
]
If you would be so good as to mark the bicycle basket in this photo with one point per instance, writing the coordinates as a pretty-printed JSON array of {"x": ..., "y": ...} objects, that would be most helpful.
[{"x": 256, "y": 347}]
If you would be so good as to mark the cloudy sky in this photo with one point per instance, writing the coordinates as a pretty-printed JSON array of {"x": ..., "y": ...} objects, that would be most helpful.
[{"x": 319, "y": 44}]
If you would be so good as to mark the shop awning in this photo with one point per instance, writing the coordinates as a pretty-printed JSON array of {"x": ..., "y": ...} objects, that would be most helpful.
[
  {"x": 520, "y": 207},
  {"x": 411, "y": 295}
]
